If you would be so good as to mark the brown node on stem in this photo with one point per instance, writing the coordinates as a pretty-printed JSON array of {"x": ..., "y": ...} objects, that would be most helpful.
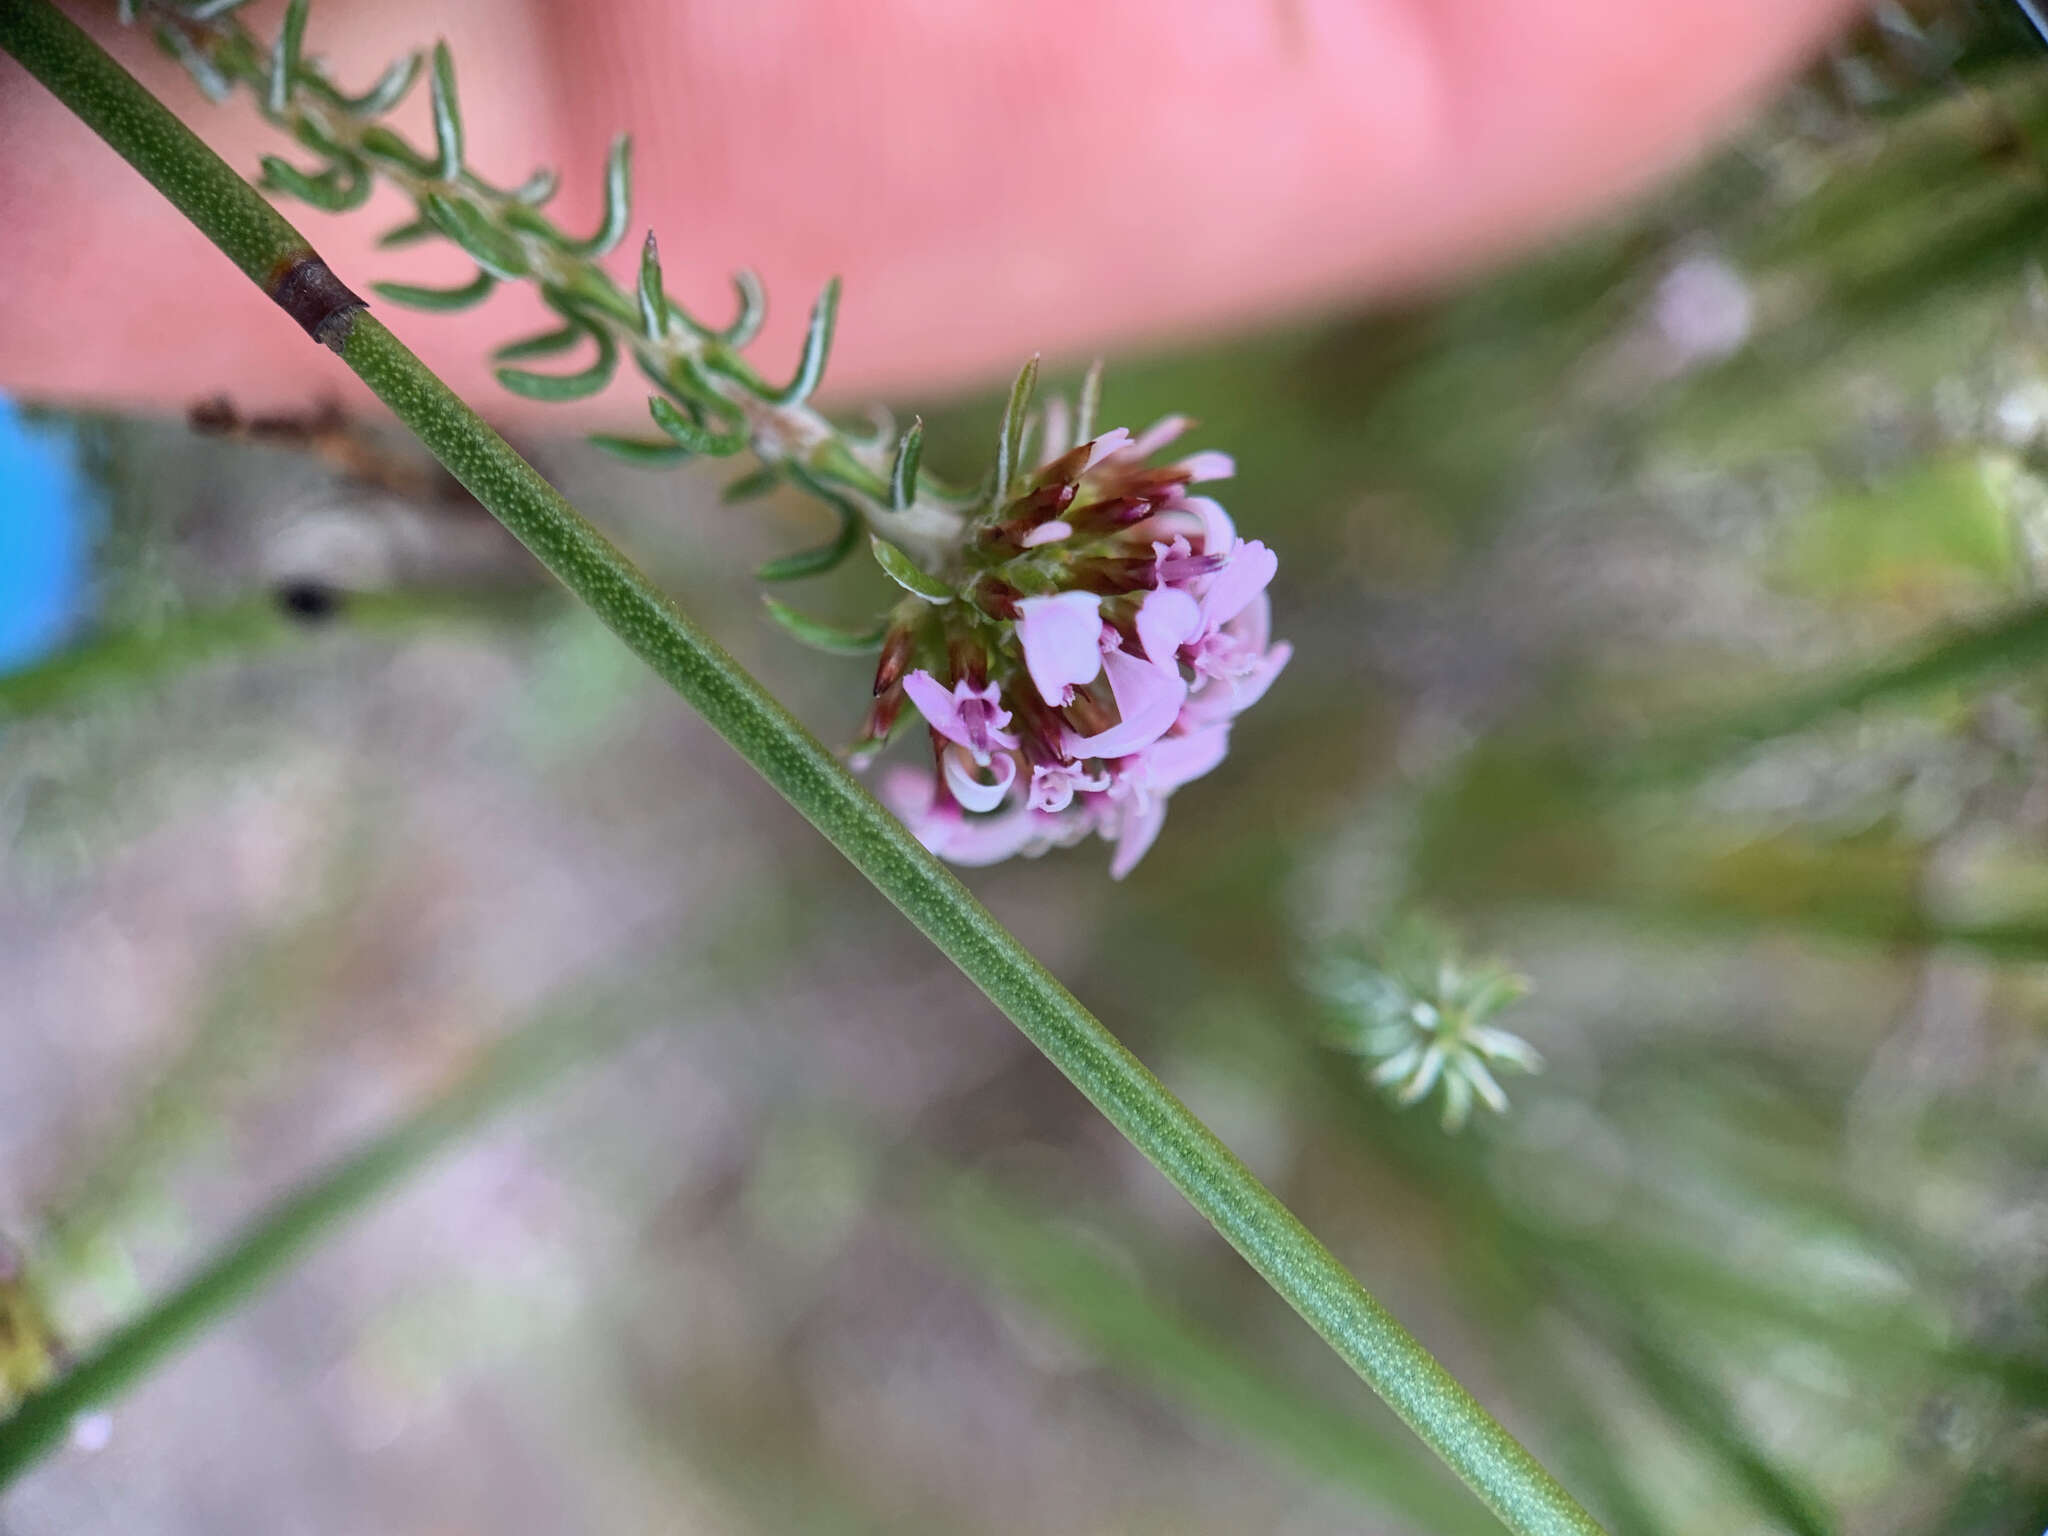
[{"x": 306, "y": 288}]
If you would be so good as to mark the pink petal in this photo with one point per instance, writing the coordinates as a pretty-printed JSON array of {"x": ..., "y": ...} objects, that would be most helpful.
[
  {"x": 1252, "y": 687},
  {"x": 935, "y": 701},
  {"x": 982, "y": 718},
  {"x": 1048, "y": 533},
  {"x": 1061, "y": 637},
  {"x": 1167, "y": 619},
  {"x": 1219, "y": 534},
  {"x": 1115, "y": 440},
  {"x": 1228, "y": 697},
  {"x": 1052, "y": 789},
  {"x": 1147, "y": 699},
  {"x": 909, "y": 796},
  {"x": 1209, "y": 465},
  {"x": 1176, "y": 760},
  {"x": 1175, "y": 561},
  {"x": 1054, "y": 785},
  {"x": 1057, "y": 425},
  {"x": 991, "y": 839},
  {"x": 1164, "y": 527},
  {"x": 1140, "y": 829},
  {"x": 1158, "y": 435},
  {"x": 967, "y": 786},
  {"x": 973, "y": 840},
  {"x": 1253, "y": 626},
  {"x": 1251, "y": 569}
]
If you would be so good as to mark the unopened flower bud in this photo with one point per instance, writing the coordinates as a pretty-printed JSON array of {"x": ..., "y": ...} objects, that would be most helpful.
[
  {"x": 1110, "y": 514},
  {"x": 995, "y": 597},
  {"x": 883, "y": 714},
  {"x": 896, "y": 648},
  {"x": 969, "y": 660},
  {"x": 1026, "y": 515}
]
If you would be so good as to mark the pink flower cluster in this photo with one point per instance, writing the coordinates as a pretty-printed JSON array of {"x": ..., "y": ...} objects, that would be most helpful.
[{"x": 1082, "y": 706}]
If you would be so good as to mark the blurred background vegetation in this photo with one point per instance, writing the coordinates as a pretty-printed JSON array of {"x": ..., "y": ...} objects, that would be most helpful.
[{"x": 1666, "y": 625}]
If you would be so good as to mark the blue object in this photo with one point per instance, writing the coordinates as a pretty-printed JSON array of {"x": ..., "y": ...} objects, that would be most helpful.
[
  {"x": 45, "y": 555},
  {"x": 2035, "y": 14}
]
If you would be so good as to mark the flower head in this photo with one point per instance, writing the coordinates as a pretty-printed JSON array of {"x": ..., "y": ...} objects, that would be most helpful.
[{"x": 1081, "y": 655}]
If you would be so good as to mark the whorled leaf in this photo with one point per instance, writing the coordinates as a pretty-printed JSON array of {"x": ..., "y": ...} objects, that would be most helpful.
[
  {"x": 642, "y": 452},
  {"x": 810, "y": 368},
  {"x": 567, "y": 386},
  {"x": 414, "y": 296},
  {"x": 1010, "y": 436},
  {"x": 750, "y": 309},
  {"x": 390, "y": 89},
  {"x": 447, "y": 116},
  {"x": 754, "y": 483},
  {"x": 339, "y": 189},
  {"x": 691, "y": 434},
  {"x": 409, "y": 233},
  {"x": 537, "y": 188},
  {"x": 545, "y": 344},
  {"x": 321, "y": 142},
  {"x": 214, "y": 85},
  {"x": 490, "y": 247},
  {"x": 820, "y": 636},
  {"x": 382, "y": 145},
  {"x": 653, "y": 301},
  {"x": 285, "y": 55},
  {"x": 1088, "y": 403},
  {"x": 618, "y": 202},
  {"x": 906, "y": 573},
  {"x": 823, "y": 557},
  {"x": 903, "y": 470}
]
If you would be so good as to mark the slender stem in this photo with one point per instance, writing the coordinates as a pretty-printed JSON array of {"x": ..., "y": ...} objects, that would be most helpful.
[
  {"x": 1525, "y": 1497},
  {"x": 294, "y": 1224},
  {"x": 250, "y": 233}
]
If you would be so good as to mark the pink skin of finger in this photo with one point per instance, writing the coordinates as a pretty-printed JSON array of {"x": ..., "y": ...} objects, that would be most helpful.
[{"x": 1228, "y": 165}]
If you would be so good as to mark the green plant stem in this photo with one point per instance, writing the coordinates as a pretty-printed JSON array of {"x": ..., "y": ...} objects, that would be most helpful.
[
  {"x": 1512, "y": 1483},
  {"x": 271, "y": 1242}
]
